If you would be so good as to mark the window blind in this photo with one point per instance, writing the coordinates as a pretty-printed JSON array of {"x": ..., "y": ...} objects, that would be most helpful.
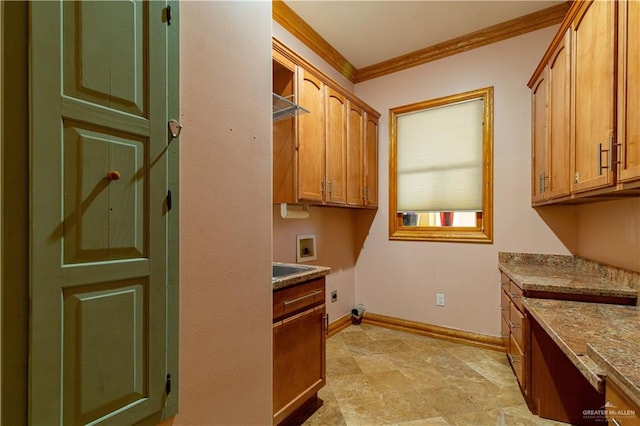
[{"x": 439, "y": 158}]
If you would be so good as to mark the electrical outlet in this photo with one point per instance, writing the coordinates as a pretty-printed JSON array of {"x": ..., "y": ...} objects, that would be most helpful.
[
  {"x": 439, "y": 299},
  {"x": 334, "y": 296}
]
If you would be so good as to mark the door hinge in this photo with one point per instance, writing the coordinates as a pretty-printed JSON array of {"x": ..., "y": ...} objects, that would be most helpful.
[
  {"x": 168, "y": 15},
  {"x": 167, "y": 386},
  {"x": 169, "y": 201}
]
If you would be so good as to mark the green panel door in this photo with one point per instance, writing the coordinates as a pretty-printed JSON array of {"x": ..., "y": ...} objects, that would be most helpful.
[{"x": 100, "y": 231}]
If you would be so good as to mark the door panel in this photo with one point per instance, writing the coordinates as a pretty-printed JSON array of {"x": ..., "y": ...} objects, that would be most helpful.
[
  {"x": 355, "y": 161},
  {"x": 629, "y": 91},
  {"x": 593, "y": 104},
  {"x": 371, "y": 160},
  {"x": 336, "y": 147},
  {"x": 103, "y": 219},
  {"x": 105, "y": 46},
  {"x": 104, "y": 371},
  {"x": 311, "y": 138},
  {"x": 99, "y": 245},
  {"x": 539, "y": 97}
]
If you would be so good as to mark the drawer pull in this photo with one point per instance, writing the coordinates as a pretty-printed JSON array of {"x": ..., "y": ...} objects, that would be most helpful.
[
  {"x": 515, "y": 296},
  {"x": 306, "y": 296},
  {"x": 513, "y": 324},
  {"x": 513, "y": 358},
  {"x": 504, "y": 308}
]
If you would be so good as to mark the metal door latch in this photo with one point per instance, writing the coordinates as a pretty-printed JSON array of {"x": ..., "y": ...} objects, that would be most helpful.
[{"x": 175, "y": 128}]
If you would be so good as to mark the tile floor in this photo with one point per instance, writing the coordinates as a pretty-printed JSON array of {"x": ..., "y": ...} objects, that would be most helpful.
[{"x": 377, "y": 376}]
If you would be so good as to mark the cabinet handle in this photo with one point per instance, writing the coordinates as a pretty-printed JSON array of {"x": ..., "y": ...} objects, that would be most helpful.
[
  {"x": 504, "y": 284},
  {"x": 504, "y": 335},
  {"x": 297, "y": 299},
  {"x": 609, "y": 156},
  {"x": 322, "y": 184},
  {"x": 326, "y": 324},
  {"x": 513, "y": 324},
  {"x": 330, "y": 188},
  {"x": 543, "y": 183},
  {"x": 504, "y": 308},
  {"x": 514, "y": 296}
]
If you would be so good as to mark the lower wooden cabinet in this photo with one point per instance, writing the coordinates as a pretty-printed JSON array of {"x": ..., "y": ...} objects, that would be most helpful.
[
  {"x": 299, "y": 336},
  {"x": 558, "y": 390},
  {"x": 515, "y": 331}
]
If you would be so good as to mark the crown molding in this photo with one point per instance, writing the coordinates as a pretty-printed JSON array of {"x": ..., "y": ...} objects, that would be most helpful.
[
  {"x": 495, "y": 33},
  {"x": 292, "y": 22},
  {"x": 295, "y": 25}
]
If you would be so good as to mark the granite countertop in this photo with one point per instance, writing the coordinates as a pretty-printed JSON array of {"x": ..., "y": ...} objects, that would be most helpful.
[
  {"x": 602, "y": 340},
  {"x": 311, "y": 273},
  {"x": 568, "y": 274}
]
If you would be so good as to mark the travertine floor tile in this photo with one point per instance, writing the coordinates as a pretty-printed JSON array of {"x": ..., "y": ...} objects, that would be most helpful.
[{"x": 377, "y": 376}]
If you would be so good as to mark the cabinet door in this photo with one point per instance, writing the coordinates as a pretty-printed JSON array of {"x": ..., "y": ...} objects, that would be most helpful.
[
  {"x": 355, "y": 160},
  {"x": 298, "y": 360},
  {"x": 311, "y": 138},
  {"x": 539, "y": 137},
  {"x": 336, "y": 183},
  {"x": 629, "y": 90},
  {"x": 559, "y": 169},
  {"x": 371, "y": 161},
  {"x": 592, "y": 106}
]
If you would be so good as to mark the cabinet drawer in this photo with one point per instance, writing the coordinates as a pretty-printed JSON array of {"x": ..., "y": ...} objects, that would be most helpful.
[
  {"x": 504, "y": 280},
  {"x": 516, "y": 324},
  {"x": 619, "y": 410},
  {"x": 296, "y": 298},
  {"x": 517, "y": 360},
  {"x": 504, "y": 305},
  {"x": 505, "y": 333},
  {"x": 515, "y": 293}
]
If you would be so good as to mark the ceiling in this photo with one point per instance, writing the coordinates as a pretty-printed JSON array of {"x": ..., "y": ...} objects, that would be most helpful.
[{"x": 370, "y": 32}]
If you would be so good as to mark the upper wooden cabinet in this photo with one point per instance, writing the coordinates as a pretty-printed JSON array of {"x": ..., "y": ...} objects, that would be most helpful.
[
  {"x": 336, "y": 148},
  {"x": 328, "y": 156},
  {"x": 593, "y": 95},
  {"x": 371, "y": 161},
  {"x": 629, "y": 90},
  {"x": 559, "y": 173},
  {"x": 355, "y": 159},
  {"x": 539, "y": 137},
  {"x": 585, "y": 97},
  {"x": 550, "y": 130},
  {"x": 311, "y": 138}
]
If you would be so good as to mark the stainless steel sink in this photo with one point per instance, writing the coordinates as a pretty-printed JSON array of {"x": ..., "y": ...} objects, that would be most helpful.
[{"x": 280, "y": 271}]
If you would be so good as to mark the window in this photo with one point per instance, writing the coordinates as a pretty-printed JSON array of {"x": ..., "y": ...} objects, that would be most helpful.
[{"x": 441, "y": 169}]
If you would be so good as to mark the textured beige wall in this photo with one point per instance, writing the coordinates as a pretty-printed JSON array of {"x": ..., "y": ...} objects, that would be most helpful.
[
  {"x": 338, "y": 244},
  {"x": 401, "y": 279},
  {"x": 225, "y": 214},
  {"x": 609, "y": 232}
]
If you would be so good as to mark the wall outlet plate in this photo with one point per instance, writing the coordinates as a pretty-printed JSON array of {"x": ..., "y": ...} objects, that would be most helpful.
[{"x": 306, "y": 248}]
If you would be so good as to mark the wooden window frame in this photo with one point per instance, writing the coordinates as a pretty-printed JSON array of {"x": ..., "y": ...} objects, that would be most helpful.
[{"x": 483, "y": 231}]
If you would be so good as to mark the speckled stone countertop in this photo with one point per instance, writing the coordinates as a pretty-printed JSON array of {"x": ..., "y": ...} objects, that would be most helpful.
[
  {"x": 289, "y": 280},
  {"x": 568, "y": 274},
  {"x": 602, "y": 340}
]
